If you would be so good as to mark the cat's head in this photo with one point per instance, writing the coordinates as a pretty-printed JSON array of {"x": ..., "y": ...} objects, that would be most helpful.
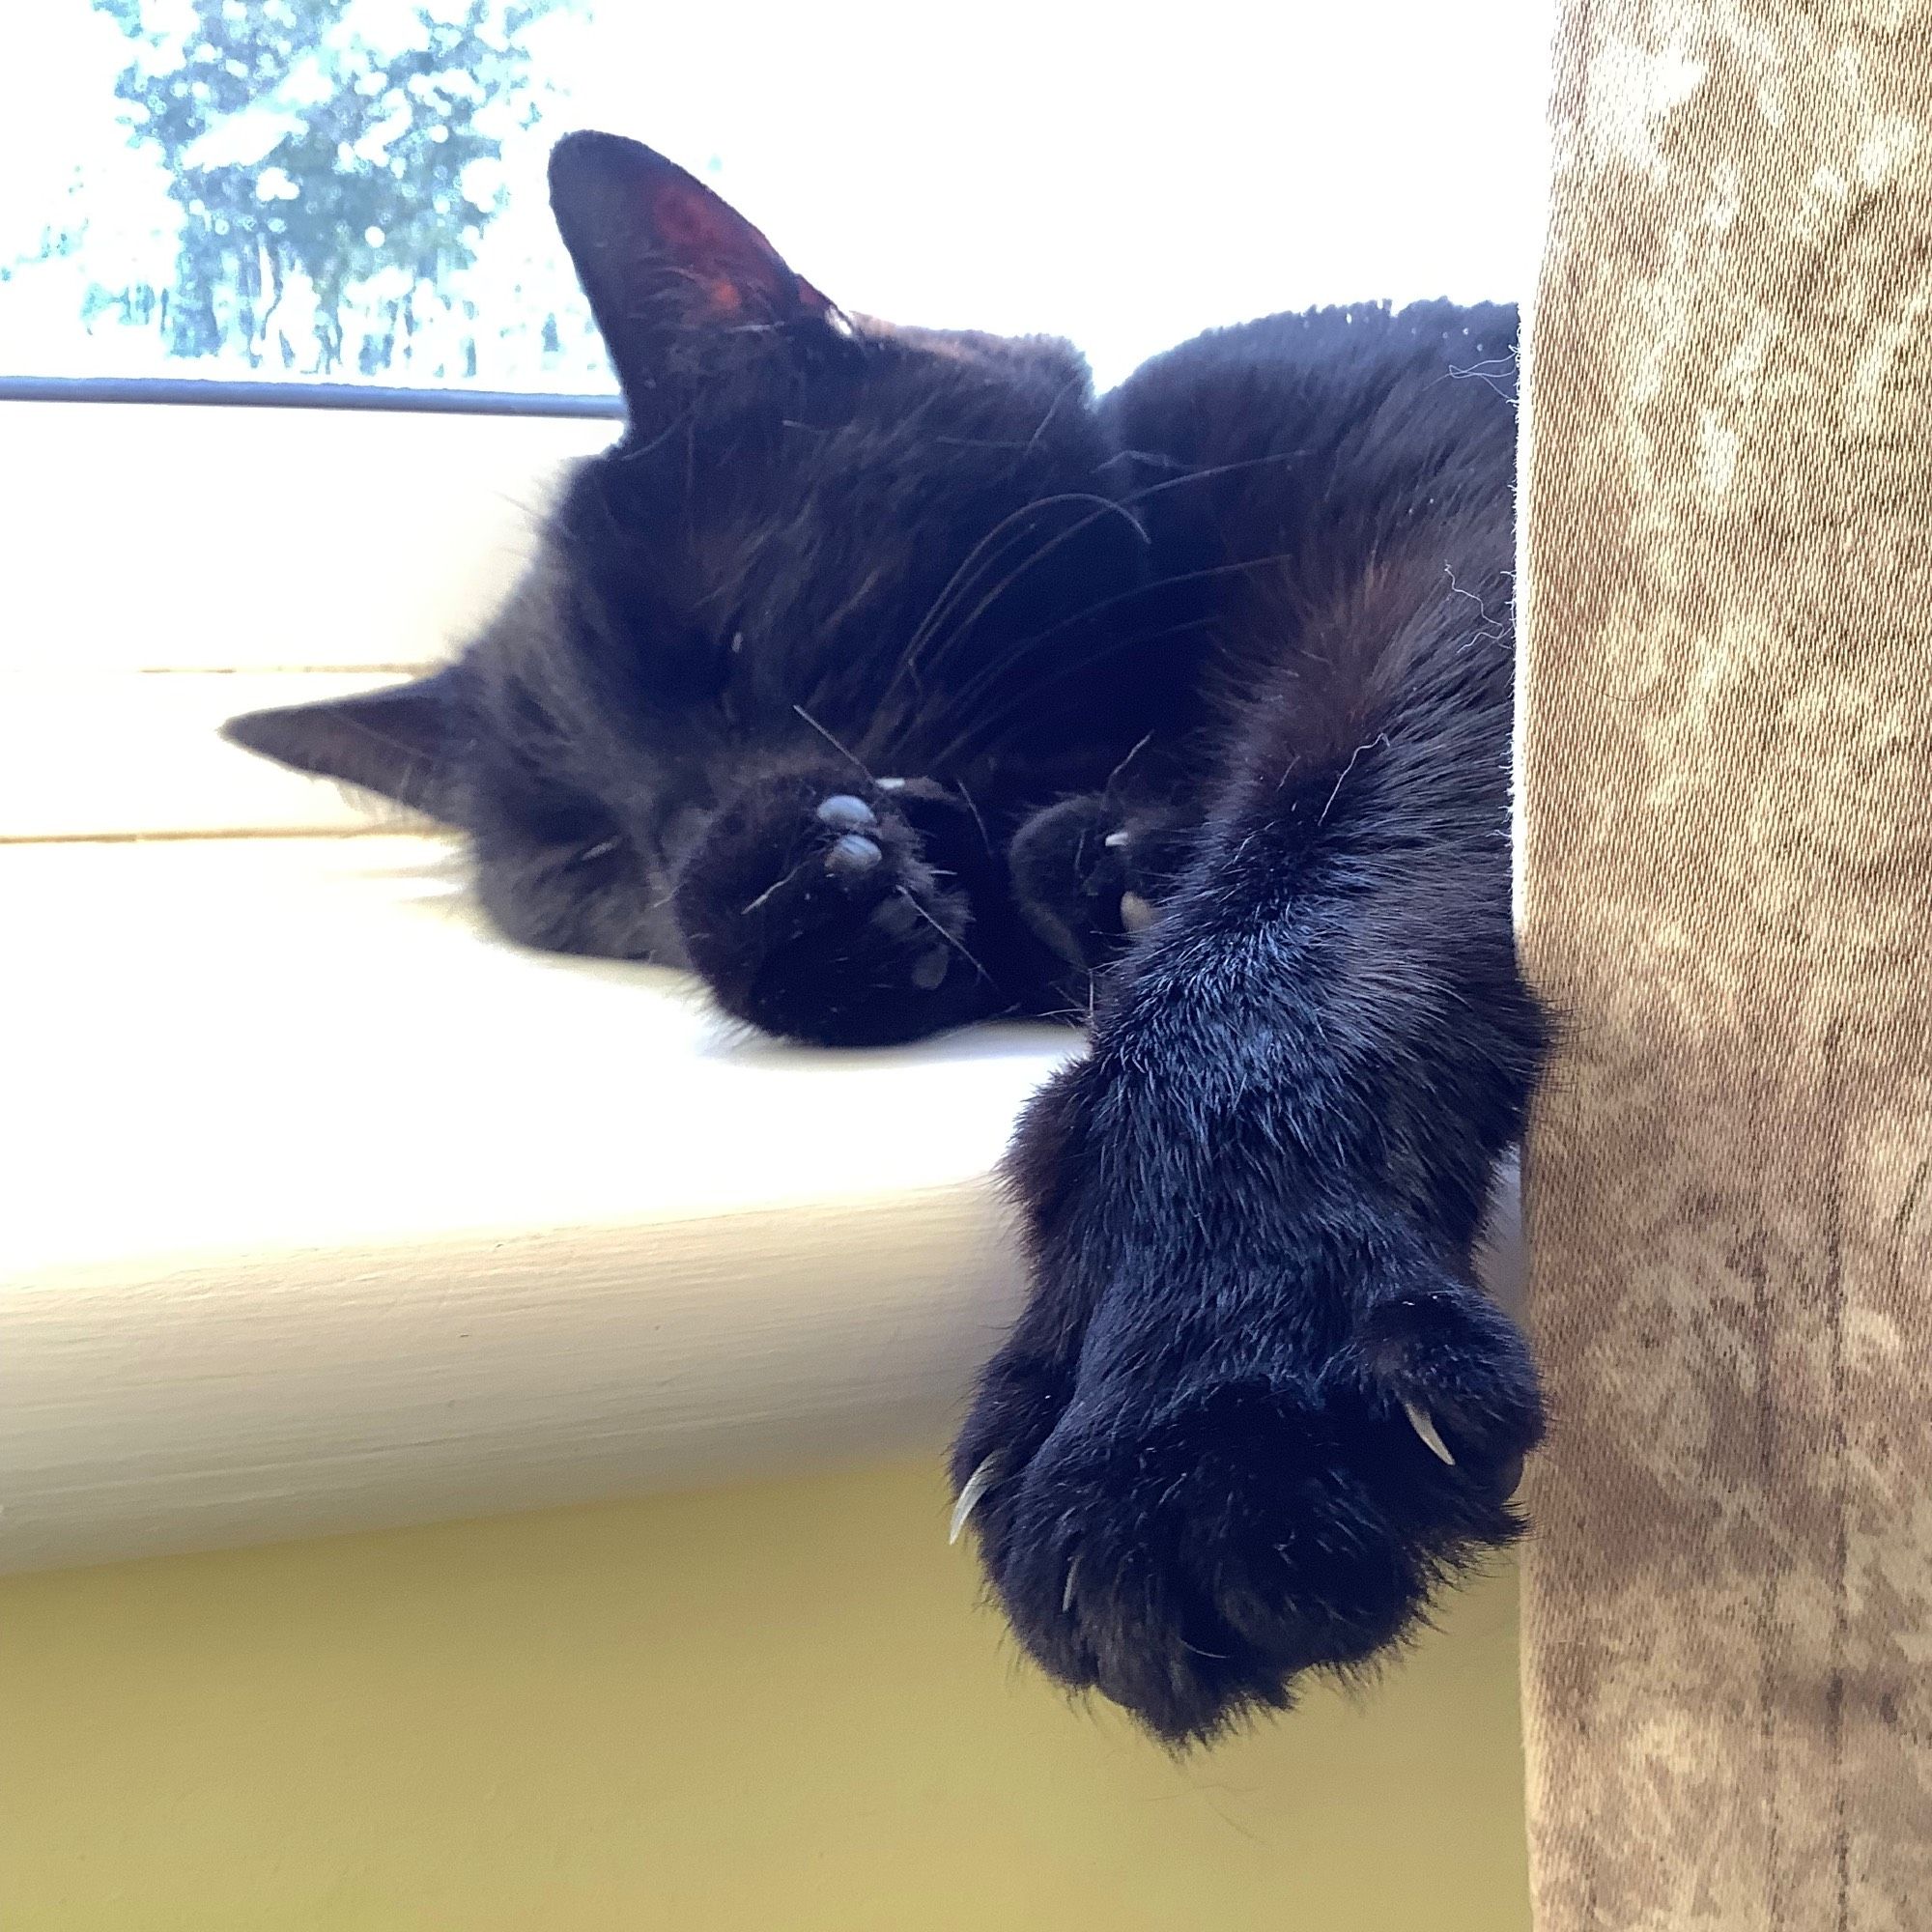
[{"x": 814, "y": 526}]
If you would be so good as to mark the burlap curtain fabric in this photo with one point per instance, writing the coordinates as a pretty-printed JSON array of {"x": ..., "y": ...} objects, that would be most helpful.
[{"x": 1727, "y": 890}]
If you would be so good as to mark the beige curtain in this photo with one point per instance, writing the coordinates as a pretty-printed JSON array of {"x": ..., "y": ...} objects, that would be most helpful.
[{"x": 1726, "y": 892}]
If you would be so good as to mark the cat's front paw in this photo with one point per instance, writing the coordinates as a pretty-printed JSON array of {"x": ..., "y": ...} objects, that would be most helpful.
[
  {"x": 1190, "y": 1540},
  {"x": 812, "y": 910},
  {"x": 1089, "y": 872},
  {"x": 1195, "y": 1478}
]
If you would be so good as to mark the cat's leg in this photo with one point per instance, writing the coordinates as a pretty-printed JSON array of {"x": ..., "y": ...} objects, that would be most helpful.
[
  {"x": 822, "y": 905},
  {"x": 1256, "y": 1409}
]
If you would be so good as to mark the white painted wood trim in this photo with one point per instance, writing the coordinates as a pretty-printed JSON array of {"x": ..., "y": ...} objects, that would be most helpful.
[
  {"x": 195, "y": 1399},
  {"x": 142, "y": 536},
  {"x": 136, "y": 755},
  {"x": 326, "y": 1210}
]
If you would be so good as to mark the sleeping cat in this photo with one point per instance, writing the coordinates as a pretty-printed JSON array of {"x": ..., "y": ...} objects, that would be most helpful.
[{"x": 888, "y": 680}]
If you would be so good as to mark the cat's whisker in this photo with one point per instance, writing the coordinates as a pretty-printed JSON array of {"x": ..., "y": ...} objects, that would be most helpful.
[
  {"x": 974, "y": 733},
  {"x": 956, "y": 944},
  {"x": 1115, "y": 839},
  {"x": 929, "y": 624},
  {"x": 997, "y": 671},
  {"x": 1209, "y": 474},
  {"x": 1164, "y": 584},
  {"x": 777, "y": 886},
  {"x": 937, "y": 610},
  {"x": 842, "y": 749},
  {"x": 1001, "y": 667},
  {"x": 1046, "y": 549},
  {"x": 1076, "y": 387},
  {"x": 986, "y": 837},
  {"x": 973, "y": 557}
]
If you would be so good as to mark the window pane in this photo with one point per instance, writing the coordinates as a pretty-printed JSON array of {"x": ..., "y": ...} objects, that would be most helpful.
[{"x": 353, "y": 189}]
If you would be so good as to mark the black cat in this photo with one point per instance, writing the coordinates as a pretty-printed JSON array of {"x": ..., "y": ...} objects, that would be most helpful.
[{"x": 888, "y": 680}]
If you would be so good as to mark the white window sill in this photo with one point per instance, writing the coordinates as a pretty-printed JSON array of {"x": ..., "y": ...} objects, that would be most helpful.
[{"x": 327, "y": 1212}]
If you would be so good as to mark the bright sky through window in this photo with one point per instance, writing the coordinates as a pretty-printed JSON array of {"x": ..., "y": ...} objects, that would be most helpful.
[{"x": 328, "y": 187}]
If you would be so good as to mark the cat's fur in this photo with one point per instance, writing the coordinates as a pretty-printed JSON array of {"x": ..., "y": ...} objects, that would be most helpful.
[{"x": 888, "y": 679}]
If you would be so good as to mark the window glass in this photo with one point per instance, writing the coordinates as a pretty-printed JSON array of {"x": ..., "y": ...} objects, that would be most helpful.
[{"x": 351, "y": 190}]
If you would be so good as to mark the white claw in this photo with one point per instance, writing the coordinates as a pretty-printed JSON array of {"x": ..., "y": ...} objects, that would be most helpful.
[
  {"x": 1424, "y": 1425},
  {"x": 1115, "y": 840},
  {"x": 977, "y": 1483},
  {"x": 1066, "y": 1595},
  {"x": 1136, "y": 915}
]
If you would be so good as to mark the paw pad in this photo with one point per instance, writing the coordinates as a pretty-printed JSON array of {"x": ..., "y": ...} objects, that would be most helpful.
[
  {"x": 852, "y": 855},
  {"x": 846, "y": 813},
  {"x": 898, "y": 916}
]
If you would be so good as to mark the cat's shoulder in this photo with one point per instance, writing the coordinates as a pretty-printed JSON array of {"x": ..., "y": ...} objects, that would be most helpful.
[
  {"x": 1316, "y": 376},
  {"x": 1332, "y": 343}
]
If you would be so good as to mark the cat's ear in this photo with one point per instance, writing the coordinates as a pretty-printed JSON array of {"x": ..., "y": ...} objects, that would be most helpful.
[
  {"x": 402, "y": 741},
  {"x": 680, "y": 283}
]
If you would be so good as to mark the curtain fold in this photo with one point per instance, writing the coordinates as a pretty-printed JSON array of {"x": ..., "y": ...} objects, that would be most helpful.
[{"x": 1725, "y": 892}]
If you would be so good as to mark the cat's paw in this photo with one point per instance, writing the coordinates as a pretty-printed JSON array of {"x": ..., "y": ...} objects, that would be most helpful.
[
  {"x": 1089, "y": 873},
  {"x": 812, "y": 910},
  {"x": 1187, "y": 1511}
]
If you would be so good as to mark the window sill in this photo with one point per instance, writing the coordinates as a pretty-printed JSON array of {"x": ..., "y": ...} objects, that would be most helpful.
[{"x": 327, "y": 1212}]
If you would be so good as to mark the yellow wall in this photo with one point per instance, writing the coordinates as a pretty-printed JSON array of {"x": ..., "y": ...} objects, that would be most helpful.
[{"x": 775, "y": 1708}]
